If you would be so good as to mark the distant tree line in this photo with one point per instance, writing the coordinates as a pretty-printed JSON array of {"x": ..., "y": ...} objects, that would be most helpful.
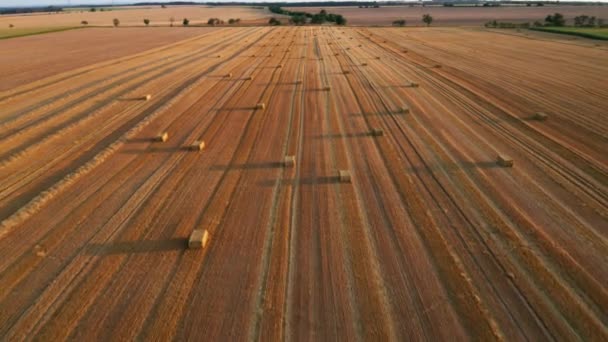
[
  {"x": 301, "y": 18},
  {"x": 373, "y": 4},
  {"x": 30, "y": 10},
  {"x": 551, "y": 20},
  {"x": 587, "y": 21},
  {"x": 366, "y": 4},
  {"x": 559, "y": 20},
  {"x": 100, "y": 9}
]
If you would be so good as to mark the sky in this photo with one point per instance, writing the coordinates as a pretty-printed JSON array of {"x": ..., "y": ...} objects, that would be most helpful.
[{"x": 19, "y": 3}]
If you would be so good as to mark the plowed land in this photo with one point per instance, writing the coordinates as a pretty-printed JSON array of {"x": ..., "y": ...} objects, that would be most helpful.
[{"x": 431, "y": 239}]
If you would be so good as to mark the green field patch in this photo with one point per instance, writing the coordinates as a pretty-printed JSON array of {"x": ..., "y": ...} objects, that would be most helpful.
[
  {"x": 587, "y": 32},
  {"x": 6, "y": 33}
]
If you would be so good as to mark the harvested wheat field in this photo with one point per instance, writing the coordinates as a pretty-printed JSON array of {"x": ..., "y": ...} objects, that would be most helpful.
[
  {"x": 134, "y": 16},
  {"x": 75, "y": 49},
  {"x": 417, "y": 196}
]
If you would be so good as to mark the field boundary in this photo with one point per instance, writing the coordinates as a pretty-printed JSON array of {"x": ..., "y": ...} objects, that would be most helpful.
[
  {"x": 44, "y": 31},
  {"x": 570, "y": 33}
]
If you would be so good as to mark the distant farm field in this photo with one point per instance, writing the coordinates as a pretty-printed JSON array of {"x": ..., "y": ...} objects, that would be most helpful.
[
  {"x": 134, "y": 16},
  {"x": 355, "y": 184},
  {"x": 456, "y": 16}
]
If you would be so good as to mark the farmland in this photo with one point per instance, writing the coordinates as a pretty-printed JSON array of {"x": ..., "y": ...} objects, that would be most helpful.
[
  {"x": 134, "y": 16},
  {"x": 456, "y": 16},
  {"x": 430, "y": 239}
]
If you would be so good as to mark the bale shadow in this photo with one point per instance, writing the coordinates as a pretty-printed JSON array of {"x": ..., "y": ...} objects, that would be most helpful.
[
  {"x": 132, "y": 99},
  {"x": 341, "y": 135},
  {"x": 322, "y": 180},
  {"x": 531, "y": 118},
  {"x": 289, "y": 83},
  {"x": 136, "y": 247},
  {"x": 398, "y": 86},
  {"x": 397, "y": 112},
  {"x": 484, "y": 165},
  {"x": 140, "y": 140},
  {"x": 157, "y": 150},
  {"x": 234, "y": 109},
  {"x": 248, "y": 166}
]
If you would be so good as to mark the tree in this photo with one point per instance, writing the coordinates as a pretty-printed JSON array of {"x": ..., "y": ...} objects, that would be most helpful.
[
  {"x": 163, "y": 6},
  {"x": 298, "y": 20},
  {"x": 147, "y": 22},
  {"x": 340, "y": 20},
  {"x": 400, "y": 22},
  {"x": 116, "y": 22},
  {"x": 186, "y": 22},
  {"x": 317, "y": 19},
  {"x": 492, "y": 23},
  {"x": 171, "y": 21},
  {"x": 213, "y": 21},
  {"x": 559, "y": 20},
  {"x": 555, "y": 20},
  {"x": 580, "y": 20},
  {"x": 584, "y": 21},
  {"x": 274, "y": 22},
  {"x": 93, "y": 9},
  {"x": 231, "y": 21},
  {"x": 427, "y": 19}
]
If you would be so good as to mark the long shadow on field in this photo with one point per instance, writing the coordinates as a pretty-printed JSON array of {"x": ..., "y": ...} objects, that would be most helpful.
[
  {"x": 289, "y": 83},
  {"x": 140, "y": 140},
  {"x": 339, "y": 135},
  {"x": 453, "y": 167},
  {"x": 228, "y": 109},
  {"x": 157, "y": 150},
  {"x": 131, "y": 99},
  {"x": 130, "y": 247},
  {"x": 223, "y": 76},
  {"x": 397, "y": 86},
  {"x": 322, "y": 180},
  {"x": 395, "y": 113},
  {"x": 249, "y": 166}
]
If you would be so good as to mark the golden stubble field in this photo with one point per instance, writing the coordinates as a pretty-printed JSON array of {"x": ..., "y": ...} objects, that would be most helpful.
[{"x": 431, "y": 238}]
